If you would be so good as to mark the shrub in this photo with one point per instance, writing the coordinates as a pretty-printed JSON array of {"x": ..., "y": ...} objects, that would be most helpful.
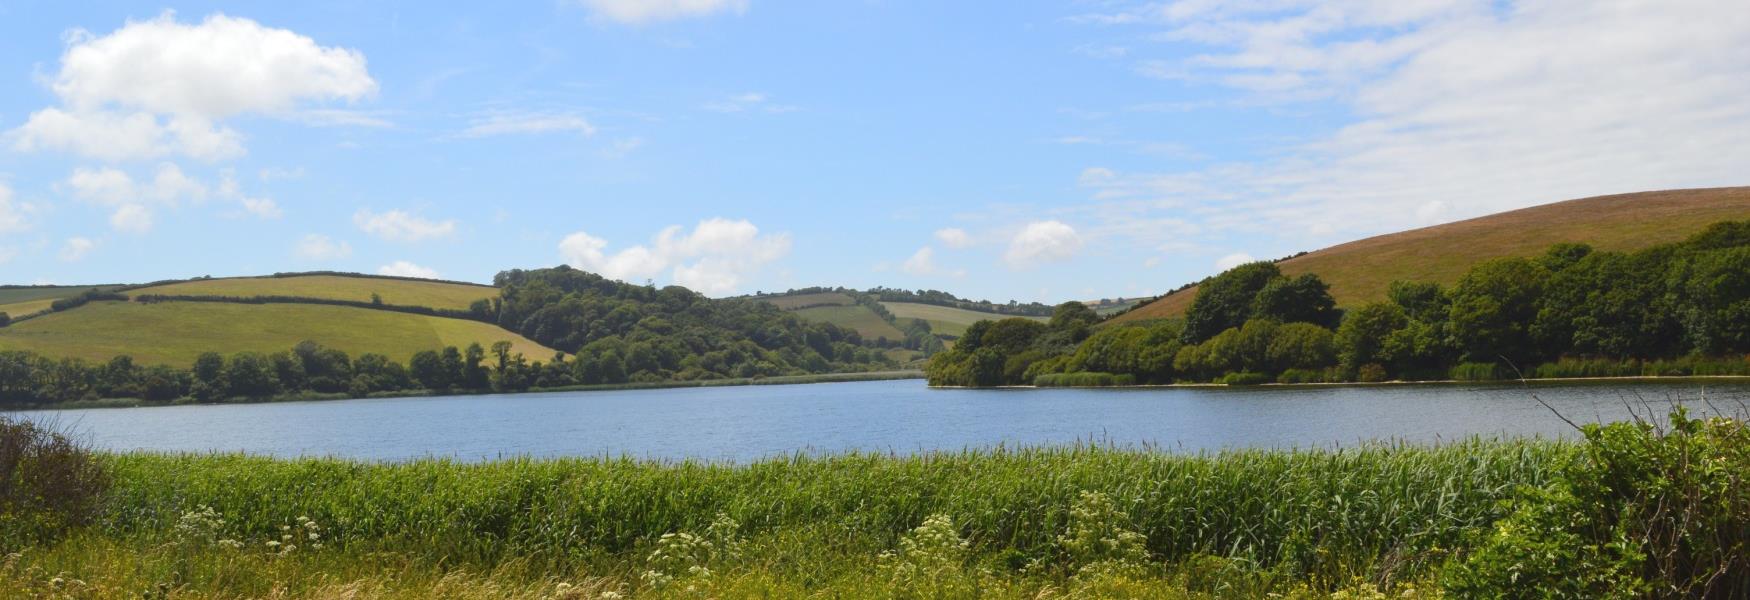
[
  {"x": 1084, "y": 379},
  {"x": 1370, "y": 373},
  {"x": 1645, "y": 511},
  {"x": 1301, "y": 376},
  {"x": 1245, "y": 378},
  {"x": 48, "y": 484},
  {"x": 1476, "y": 371}
]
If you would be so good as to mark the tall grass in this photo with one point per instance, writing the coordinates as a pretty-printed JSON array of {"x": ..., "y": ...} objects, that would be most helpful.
[
  {"x": 1319, "y": 514},
  {"x": 1084, "y": 379}
]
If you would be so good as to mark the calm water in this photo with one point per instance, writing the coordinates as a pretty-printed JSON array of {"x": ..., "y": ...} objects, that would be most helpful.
[{"x": 746, "y": 423}]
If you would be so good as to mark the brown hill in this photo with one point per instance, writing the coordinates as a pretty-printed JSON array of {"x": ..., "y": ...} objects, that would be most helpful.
[{"x": 1360, "y": 271}]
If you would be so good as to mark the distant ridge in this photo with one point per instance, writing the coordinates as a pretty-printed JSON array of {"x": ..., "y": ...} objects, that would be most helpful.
[{"x": 1360, "y": 271}]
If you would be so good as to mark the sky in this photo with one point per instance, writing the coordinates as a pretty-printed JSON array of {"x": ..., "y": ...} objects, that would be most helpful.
[{"x": 1027, "y": 150}]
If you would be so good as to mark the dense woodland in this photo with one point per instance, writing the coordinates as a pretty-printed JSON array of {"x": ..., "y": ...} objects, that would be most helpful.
[
  {"x": 610, "y": 333},
  {"x": 1675, "y": 309}
]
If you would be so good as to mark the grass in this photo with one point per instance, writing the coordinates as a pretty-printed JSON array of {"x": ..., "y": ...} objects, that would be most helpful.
[
  {"x": 28, "y": 300},
  {"x": 856, "y": 317},
  {"x": 174, "y": 333},
  {"x": 434, "y": 294},
  {"x": 1234, "y": 524},
  {"x": 1360, "y": 271},
  {"x": 796, "y": 301},
  {"x": 944, "y": 320}
]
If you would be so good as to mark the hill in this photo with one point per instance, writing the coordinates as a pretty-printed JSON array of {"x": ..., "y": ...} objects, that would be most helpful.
[
  {"x": 174, "y": 333},
  {"x": 855, "y": 317},
  {"x": 944, "y": 320},
  {"x": 1360, "y": 271},
  {"x": 357, "y": 288},
  {"x": 20, "y": 300}
]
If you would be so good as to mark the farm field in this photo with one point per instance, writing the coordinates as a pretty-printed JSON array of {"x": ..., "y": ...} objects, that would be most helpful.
[
  {"x": 944, "y": 320},
  {"x": 1360, "y": 271},
  {"x": 798, "y": 301},
  {"x": 174, "y": 333},
  {"x": 21, "y": 301},
  {"x": 434, "y": 294},
  {"x": 868, "y": 324}
]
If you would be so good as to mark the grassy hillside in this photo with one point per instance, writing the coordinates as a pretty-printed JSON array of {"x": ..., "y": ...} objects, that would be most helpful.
[
  {"x": 435, "y": 294},
  {"x": 797, "y": 301},
  {"x": 857, "y": 317},
  {"x": 943, "y": 320},
  {"x": 1360, "y": 271},
  {"x": 174, "y": 333},
  {"x": 25, "y": 300}
]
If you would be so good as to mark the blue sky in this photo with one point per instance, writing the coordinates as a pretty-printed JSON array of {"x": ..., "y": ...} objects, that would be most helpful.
[{"x": 1027, "y": 150}]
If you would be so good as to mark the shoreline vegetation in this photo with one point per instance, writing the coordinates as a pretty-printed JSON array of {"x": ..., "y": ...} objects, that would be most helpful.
[
  {"x": 1679, "y": 309},
  {"x": 604, "y": 387},
  {"x": 1629, "y": 510}
]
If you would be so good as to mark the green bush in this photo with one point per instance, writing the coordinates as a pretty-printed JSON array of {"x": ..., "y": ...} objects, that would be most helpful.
[
  {"x": 1476, "y": 371},
  {"x": 1084, "y": 379},
  {"x": 1245, "y": 378},
  {"x": 1644, "y": 511},
  {"x": 1302, "y": 376},
  {"x": 48, "y": 484}
]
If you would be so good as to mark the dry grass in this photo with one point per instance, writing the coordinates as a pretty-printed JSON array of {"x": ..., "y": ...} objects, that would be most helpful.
[{"x": 1360, "y": 271}]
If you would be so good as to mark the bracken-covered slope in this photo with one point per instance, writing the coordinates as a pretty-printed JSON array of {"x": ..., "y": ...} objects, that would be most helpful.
[{"x": 1360, "y": 271}]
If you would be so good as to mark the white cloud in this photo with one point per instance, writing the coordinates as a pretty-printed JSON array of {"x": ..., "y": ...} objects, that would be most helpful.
[
  {"x": 400, "y": 226},
  {"x": 321, "y": 247},
  {"x": 131, "y": 218},
  {"x": 159, "y": 87},
  {"x": 638, "y": 12},
  {"x": 132, "y": 201},
  {"x": 1461, "y": 108},
  {"x": 14, "y": 216},
  {"x": 402, "y": 268},
  {"x": 527, "y": 123},
  {"x": 715, "y": 258},
  {"x": 262, "y": 208},
  {"x": 1233, "y": 260},
  {"x": 954, "y": 237},
  {"x": 748, "y": 101},
  {"x": 1041, "y": 242},
  {"x": 75, "y": 248},
  {"x": 923, "y": 263}
]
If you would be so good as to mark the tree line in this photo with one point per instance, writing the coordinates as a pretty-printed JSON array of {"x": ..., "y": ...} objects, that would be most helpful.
[{"x": 1673, "y": 309}]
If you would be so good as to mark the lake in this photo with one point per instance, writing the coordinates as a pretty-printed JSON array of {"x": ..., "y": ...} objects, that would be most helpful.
[{"x": 752, "y": 422}]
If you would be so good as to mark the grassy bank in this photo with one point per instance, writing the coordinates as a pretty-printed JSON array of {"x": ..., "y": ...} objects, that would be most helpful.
[
  {"x": 652, "y": 385},
  {"x": 1634, "y": 510}
]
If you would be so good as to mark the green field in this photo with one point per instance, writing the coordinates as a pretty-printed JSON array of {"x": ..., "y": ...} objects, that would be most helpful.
[
  {"x": 796, "y": 301},
  {"x": 174, "y": 333},
  {"x": 944, "y": 320},
  {"x": 1360, "y": 271},
  {"x": 434, "y": 294},
  {"x": 21, "y": 301},
  {"x": 856, "y": 317}
]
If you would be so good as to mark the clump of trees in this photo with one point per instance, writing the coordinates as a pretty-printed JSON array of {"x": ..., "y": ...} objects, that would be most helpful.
[{"x": 1674, "y": 309}]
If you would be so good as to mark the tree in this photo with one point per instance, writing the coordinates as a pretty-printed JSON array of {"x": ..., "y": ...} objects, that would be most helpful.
[
  {"x": 1713, "y": 292},
  {"x": 1301, "y": 346},
  {"x": 1225, "y": 301},
  {"x": 1303, "y": 299},
  {"x": 1493, "y": 307},
  {"x": 251, "y": 375},
  {"x": 1363, "y": 332},
  {"x": 5, "y": 319},
  {"x": 1073, "y": 315},
  {"x": 427, "y": 368}
]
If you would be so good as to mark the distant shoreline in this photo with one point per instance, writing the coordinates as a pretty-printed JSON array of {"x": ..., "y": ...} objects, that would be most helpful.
[
  {"x": 606, "y": 387},
  {"x": 1544, "y": 380}
]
